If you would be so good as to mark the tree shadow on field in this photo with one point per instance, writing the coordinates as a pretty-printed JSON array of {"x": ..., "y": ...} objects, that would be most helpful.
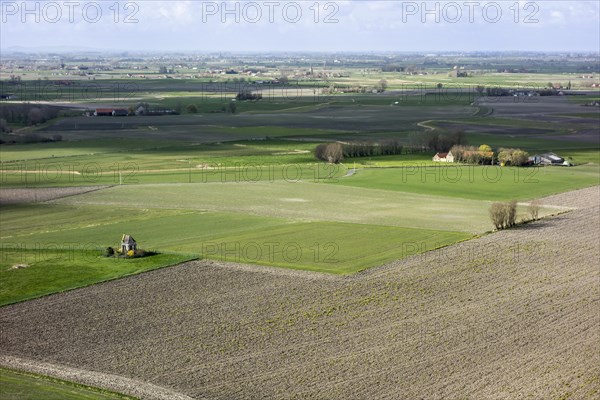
[{"x": 546, "y": 222}]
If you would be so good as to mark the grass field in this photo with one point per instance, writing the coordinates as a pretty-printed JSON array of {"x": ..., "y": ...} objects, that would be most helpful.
[
  {"x": 307, "y": 202},
  {"x": 54, "y": 266},
  {"x": 331, "y": 246},
  {"x": 15, "y": 385},
  {"x": 477, "y": 182},
  {"x": 245, "y": 187}
]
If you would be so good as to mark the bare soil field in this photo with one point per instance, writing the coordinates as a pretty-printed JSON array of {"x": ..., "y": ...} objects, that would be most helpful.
[
  {"x": 19, "y": 196},
  {"x": 509, "y": 315}
]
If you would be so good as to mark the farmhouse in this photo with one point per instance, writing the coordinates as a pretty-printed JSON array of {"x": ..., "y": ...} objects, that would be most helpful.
[
  {"x": 547, "y": 159},
  {"x": 444, "y": 157},
  {"x": 128, "y": 243}
]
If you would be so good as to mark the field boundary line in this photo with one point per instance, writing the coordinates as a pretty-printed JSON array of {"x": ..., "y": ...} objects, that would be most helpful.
[
  {"x": 270, "y": 270},
  {"x": 100, "y": 380},
  {"x": 5, "y": 193}
]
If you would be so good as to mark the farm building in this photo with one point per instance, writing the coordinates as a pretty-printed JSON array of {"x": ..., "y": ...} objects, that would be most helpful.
[
  {"x": 120, "y": 112},
  {"x": 444, "y": 157},
  {"x": 111, "y": 112},
  {"x": 547, "y": 159},
  {"x": 128, "y": 243}
]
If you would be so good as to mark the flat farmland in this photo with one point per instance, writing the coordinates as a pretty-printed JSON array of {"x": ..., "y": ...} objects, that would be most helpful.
[
  {"x": 509, "y": 315},
  {"x": 343, "y": 118},
  {"x": 479, "y": 182}
]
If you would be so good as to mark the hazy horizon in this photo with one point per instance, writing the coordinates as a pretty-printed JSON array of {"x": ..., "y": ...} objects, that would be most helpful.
[{"x": 288, "y": 26}]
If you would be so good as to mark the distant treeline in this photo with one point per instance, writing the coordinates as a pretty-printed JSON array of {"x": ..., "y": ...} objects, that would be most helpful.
[
  {"x": 336, "y": 152},
  {"x": 417, "y": 143},
  {"x": 434, "y": 141},
  {"x": 500, "y": 92},
  {"x": 27, "y": 114}
]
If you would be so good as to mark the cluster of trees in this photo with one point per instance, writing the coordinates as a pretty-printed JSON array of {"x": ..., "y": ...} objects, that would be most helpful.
[
  {"x": 435, "y": 141},
  {"x": 4, "y": 128},
  {"x": 27, "y": 114},
  {"x": 248, "y": 95},
  {"x": 330, "y": 152},
  {"x": 504, "y": 215},
  {"x": 516, "y": 157},
  {"x": 336, "y": 152},
  {"x": 33, "y": 138},
  {"x": 472, "y": 154},
  {"x": 369, "y": 149}
]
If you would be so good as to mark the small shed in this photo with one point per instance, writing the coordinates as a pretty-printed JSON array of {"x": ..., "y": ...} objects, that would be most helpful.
[{"x": 128, "y": 243}]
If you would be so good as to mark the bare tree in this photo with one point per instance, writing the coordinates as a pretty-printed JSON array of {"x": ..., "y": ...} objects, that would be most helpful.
[
  {"x": 504, "y": 215},
  {"x": 534, "y": 209},
  {"x": 497, "y": 215}
]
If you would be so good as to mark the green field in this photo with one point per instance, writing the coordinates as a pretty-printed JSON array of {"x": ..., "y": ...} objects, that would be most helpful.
[
  {"x": 16, "y": 385},
  {"x": 327, "y": 246},
  {"x": 477, "y": 182},
  {"x": 55, "y": 266},
  {"x": 245, "y": 186}
]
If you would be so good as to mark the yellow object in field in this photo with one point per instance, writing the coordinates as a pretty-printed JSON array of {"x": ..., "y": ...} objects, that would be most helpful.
[
  {"x": 502, "y": 164},
  {"x": 130, "y": 253}
]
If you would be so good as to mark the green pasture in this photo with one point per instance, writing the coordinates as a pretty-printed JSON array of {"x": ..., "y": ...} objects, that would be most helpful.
[
  {"x": 55, "y": 266},
  {"x": 65, "y": 251},
  {"x": 17, "y": 385},
  {"x": 477, "y": 182}
]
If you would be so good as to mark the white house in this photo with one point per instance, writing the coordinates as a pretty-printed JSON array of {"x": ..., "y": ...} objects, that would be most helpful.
[{"x": 444, "y": 157}]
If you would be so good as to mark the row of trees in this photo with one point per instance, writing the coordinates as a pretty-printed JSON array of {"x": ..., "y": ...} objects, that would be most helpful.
[
  {"x": 336, "y": 152},
  {"x": 472, "y": 154},
  {"x": 33, "y": 138},
  {"x": 438, "y": 142},
  {"x": 369, "y": 149},
  {"x": 194, "y": 109},
  {"x": 504, "y": 215},
  {"x": 484, "y": 155},
  {"x": 27, "y": 114}
]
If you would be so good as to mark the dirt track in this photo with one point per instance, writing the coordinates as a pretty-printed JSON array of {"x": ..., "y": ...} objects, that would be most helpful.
[{"x": 510, "y": 315}]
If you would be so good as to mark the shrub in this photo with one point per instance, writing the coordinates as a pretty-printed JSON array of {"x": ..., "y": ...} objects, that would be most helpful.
[
  {"x": 109, "y": 252},
  {"x": 511, "y": 213},
  {"x": 534, "y": 209}
]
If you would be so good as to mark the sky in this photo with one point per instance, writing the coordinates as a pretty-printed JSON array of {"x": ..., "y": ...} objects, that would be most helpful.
[{"x": 291, "y": 26}]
